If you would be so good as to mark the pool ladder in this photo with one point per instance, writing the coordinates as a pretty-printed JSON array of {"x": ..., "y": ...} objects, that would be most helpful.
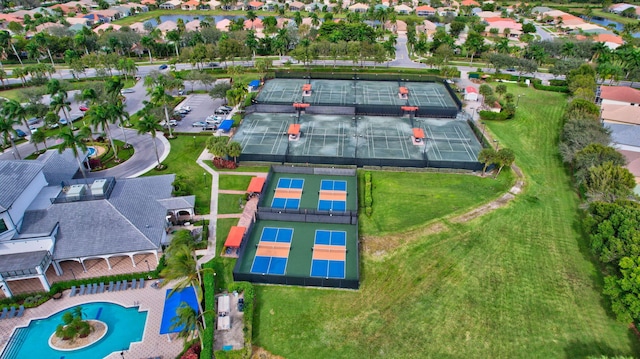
[{"x": 11, "y": 349}]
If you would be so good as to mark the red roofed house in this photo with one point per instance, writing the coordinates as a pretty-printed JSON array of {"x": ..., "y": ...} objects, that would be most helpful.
[
  {"x": 255, "y": 5},
  {"x": 255, "y": 24},
  {"x": 469, "y": 3},
  {"x": 425, "y": 10},
  {"x": 190, "y": 5},
  {"x": 619, "y": 95},
  {"x": 515, "y": 28}
]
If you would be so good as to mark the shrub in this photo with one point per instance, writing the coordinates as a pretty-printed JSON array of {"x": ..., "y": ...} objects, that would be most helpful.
[
  {"x": 493, "y": 116},
  {"x": 368, "y": 196},
  {"x": 222, "y": 163}
]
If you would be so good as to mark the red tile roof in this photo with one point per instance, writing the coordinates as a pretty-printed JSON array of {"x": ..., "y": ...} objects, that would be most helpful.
[
  {"x": 256, "y": 184},
  {"x": 620, "y": 93}
]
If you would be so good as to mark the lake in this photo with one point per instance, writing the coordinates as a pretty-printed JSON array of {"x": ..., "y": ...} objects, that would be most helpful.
[{"x": 610, "y": 24}]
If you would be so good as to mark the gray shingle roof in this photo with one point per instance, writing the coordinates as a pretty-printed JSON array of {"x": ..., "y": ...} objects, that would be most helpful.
[
  {"x": 132, "y": 219},
  {"x": 15, "y": 177},
  {"x": 58, "y": 167},
  {"x": 178, "y": 202}
]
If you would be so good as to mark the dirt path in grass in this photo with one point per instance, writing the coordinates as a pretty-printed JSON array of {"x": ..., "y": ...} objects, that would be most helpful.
[{"x": 379, "y": 246}]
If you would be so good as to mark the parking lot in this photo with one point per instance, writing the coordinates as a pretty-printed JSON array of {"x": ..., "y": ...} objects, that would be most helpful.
[{"x": 201, "y": 106}]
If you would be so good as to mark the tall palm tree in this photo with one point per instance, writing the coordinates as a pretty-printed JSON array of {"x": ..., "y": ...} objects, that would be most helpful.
[
  {"x": 183, "y": 270},
  {"x": 59, "y": 102},
  {"x": 189, "y": 321},
  {"x": 148, "y": 42},
  {"x": 160, "y": 98},
  {"x": 149, "y": 124},
  {"x": 75, "y": 143},
  {"x": 15, "y": 110},
  {"x": 100, "y": 118},
  {"x": 39, "y": 137},
  {"x": 113, "y": 86},
  {"x": 119, "y": 115},
  {"x": 8, "y": 132}
]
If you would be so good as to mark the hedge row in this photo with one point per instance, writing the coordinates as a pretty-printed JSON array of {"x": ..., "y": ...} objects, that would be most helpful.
[
  {"x": 537, "y": 84},
  {"x": 493, "y": 116},
  {"x": 368, "y": 197}
]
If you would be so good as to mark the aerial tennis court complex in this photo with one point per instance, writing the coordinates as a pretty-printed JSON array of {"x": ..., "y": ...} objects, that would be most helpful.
[
  {"x": 399, "y": 122},
  {"x": 306, "y": 230}
]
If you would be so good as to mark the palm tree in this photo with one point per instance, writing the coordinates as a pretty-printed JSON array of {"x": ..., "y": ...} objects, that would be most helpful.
[
  {"x": 189, "y": 321},
  {"x": 73, "y": 142},
  {"x": 15, "y": 110},
  {"x": 99, "y": 117},
  {"x": 39, "y": 137},
  {"x": 59, "y": 102},
  {"x": 149, "y": 124},
  {"x": 160, "y": 97},
  {"x": 234, "y": 149},
  {"x": 148, "y": 42},
  {"x": 118, "y": 114},
  {"x": 8, "y": 132},
  {"x": 183, "y": 270},
  {"x": 113, "y": 86}
]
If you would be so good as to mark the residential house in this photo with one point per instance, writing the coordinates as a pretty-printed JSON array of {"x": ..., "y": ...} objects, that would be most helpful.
[
  {"x": 223, "y": 25},
  {"x": 504, "y": 26},
  {"x": 47, "y": 218},
  {"x": 138, "y": 27},
  {"x": 106, "y": 27},
  {"x": 447, "y": 11},
  {"x": 296, "y": 6},
  {"x": 5, "y": 19},
  {"x": 282, "y": 22},
  {"x": 109, "y": 14},
  {"x": 46, "y": 27},
  {"x": 487, "y": 14},
  {"x": 171, "y": 4},
  {"x": 77, "y": 27},
  {"x": 123, "y": 10},
  {"x": 398, "y": 26},
  {"x": 190, "y": 5},
  {"x": 425, "y": 10},
  {"x": 167, "y": 26},
  {"x": 473, "y": 3},
  {"x": 427, "y": 27},
  {"x": 623, "y": 114},
  {"x": 403, "y": 9},
  {"x": 135, "y": 8},
  {"x": 152, "y": 3},
  {"x": 93, "y": 19},
  {"x": 255, "y": 5},
  {"x": 619, "y": 8},
  {"x": 361, "y": 8},
  {"x": 193, "y": 25},
  {"x": 619, "y": 95},
  {"x": 77, "y": 21},
  {"x": 233, "y": 7},
  {"x": 256, "y": 24},
  {"x": 314, "y": 6},
  {"x": 214, "y": 4},
  {"x": 612, "y": 41},
  {"x": 64, "y": 8}
]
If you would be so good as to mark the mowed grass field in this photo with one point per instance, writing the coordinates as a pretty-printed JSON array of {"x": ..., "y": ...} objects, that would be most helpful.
[{"x": 515, "y": 283}]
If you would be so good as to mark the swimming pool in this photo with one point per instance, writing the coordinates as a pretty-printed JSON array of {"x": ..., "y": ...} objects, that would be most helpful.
[
  {"x": 91, "y": 151},
  {"x": 126, "y": 325}
]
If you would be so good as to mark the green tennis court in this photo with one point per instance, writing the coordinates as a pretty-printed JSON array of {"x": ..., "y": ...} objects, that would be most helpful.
[
  {"x": 301, "y": 251},
  {"x": 312, "y": 185}
]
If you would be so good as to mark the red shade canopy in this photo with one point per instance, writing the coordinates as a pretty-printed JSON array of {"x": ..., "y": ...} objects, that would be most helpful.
[
  {"x": 301, "y": 105},
  {"x": 306, "y": 87},
  {"x": 256, "y": 184},
  {"x": 235, "y": 237},
  {"x": 418, "y": 133},
  {"x": 403, "y": 90},
  {"x": 409, "y": 108},
  {"x": 294, "y": 129}
]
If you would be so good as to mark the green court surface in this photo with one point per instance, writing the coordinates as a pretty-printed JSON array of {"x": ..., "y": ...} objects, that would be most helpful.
[
  {"x": 356, "y": 92},
  {"x": 300, "y": 254},
  {"x": 310, "y": 191},
  {"x": 374, "y": 137}
]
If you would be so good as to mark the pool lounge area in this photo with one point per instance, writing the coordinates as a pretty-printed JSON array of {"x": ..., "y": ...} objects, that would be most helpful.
[{"x": 149, "y": 300}]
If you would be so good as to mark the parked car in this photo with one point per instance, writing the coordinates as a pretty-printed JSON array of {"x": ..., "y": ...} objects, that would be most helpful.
[
  {"x": 33, "y": 129},
  {"x": 221, "y": 112},
  {"x": 226, "y": 108},
  {"x": 33, "y": 121},
  {"x": 199, "y": 124},
  {"x": 241, "y": 305},
  {"x": 212, "y": 64},
  {"x": 83, "y": 108},
  {"x": 124, "y": 91},
  {"x": 182, "y": 92},
  {"x": 182, "y": 111},
  {"x": 63, "y": 121},
  {"x": 186, "y": 108},
  {"x": 171, "y": 123},
  {"x": 163, "y": 67},
  {"x": 20, "y": 133}
]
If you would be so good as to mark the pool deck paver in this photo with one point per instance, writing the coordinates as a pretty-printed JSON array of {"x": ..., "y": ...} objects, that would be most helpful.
[{"x": 150, "y": 299}]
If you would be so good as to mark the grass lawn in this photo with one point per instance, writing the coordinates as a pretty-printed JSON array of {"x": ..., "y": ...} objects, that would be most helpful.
[
  {"x": 182, "y": 162},
  {"x": 224, "y": 266},
  {"x": 229, "y": 203},
  {"x": 426, "y": 195},
  {"x": 515, "y": 283},
  {"x": 232, "y": 182}
]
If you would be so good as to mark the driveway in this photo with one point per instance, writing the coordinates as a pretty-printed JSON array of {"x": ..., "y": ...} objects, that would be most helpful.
[{"x": 402, "y": 55}]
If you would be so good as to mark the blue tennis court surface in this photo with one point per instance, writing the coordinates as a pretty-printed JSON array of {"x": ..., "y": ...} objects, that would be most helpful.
[
  {"x": 295, "y": 183},
  {"x": 333, "y": 238},
  {"x": 285, "y": 203},
  {"x": 331, "y": 185},
  {"x": 269, "y": 265},
  {"x": 171, "y": 304},
  {"x": 271, "y": 234},
  {"x": 327, "y": 269},
  {"x": 327, "y": 205}
]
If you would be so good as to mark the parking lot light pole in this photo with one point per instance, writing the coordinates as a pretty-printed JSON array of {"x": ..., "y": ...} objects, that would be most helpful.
[{"x": 518, "y": 102}]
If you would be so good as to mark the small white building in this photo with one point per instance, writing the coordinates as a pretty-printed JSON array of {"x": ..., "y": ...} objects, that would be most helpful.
[{"x": 471, "y": 93}]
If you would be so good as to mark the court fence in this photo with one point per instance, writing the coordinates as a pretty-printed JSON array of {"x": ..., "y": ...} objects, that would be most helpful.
[
  {"x": 361, "y": 162},
  {"x": 364, "y": 109},
  {"x": 307, "y": 216}
]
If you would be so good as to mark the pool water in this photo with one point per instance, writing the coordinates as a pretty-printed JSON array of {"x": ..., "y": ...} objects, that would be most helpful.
[
  {"x": 91, "y": 151},
  {"x": 126, "y": 325}
]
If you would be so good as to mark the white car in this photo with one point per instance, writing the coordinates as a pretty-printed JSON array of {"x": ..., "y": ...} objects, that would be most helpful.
[
  {"x": 186, "y": 108},
  {"x": 124, "y": 91},
  {"x": 171, "y": 123}
]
